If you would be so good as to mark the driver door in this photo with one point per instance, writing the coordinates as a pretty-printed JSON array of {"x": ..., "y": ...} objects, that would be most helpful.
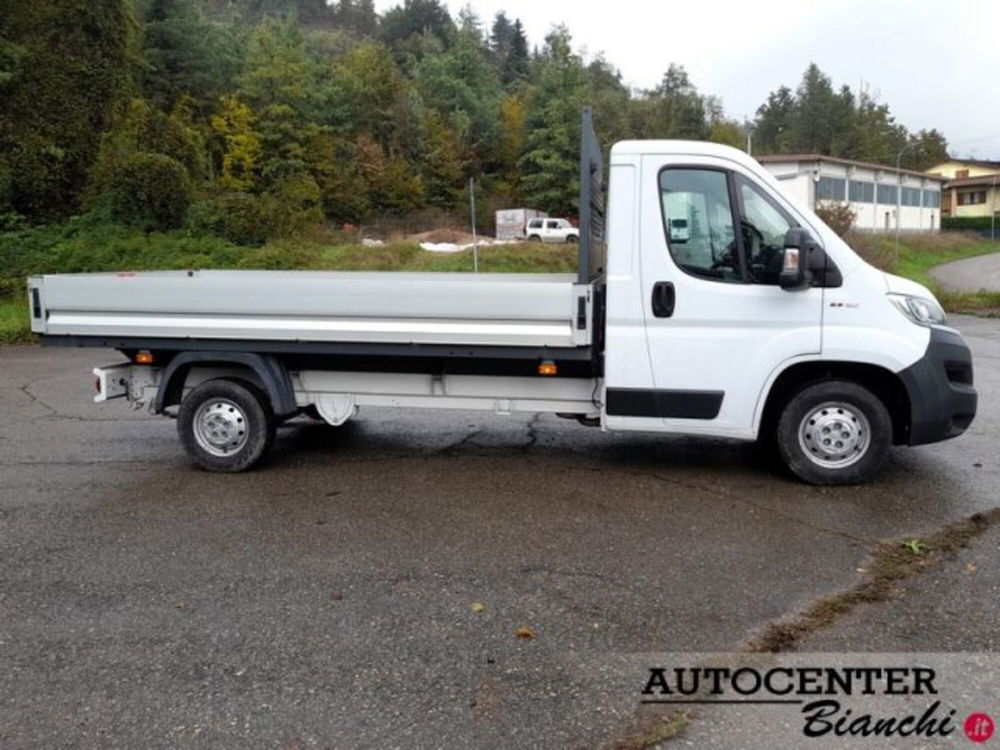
[{"x": 717, "y": 324}]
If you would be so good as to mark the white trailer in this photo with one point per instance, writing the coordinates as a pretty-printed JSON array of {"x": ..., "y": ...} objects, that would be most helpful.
[{"x": 711, "y": 306}]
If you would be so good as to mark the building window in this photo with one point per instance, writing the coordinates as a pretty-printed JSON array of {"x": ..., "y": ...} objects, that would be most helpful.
[
  {"x": 887, "y": 195},
  {"x": 910, "y": 196},
  {"x": 862, "y": 192},
  {"x": 830, "y": 189},
  {"x": 932, "y": 199},
  {"x": 971, "y": 197}
]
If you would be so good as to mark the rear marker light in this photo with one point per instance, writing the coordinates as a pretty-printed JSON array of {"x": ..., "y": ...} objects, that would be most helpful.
[
  {"x": 144, "y": 358},
  {"x": 548, "y": 367}
]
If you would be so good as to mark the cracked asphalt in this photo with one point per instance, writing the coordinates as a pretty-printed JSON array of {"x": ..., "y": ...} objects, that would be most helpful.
[{"x": 326, "y": 600}]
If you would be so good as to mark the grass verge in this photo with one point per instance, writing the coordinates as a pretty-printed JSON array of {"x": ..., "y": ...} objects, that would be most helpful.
[
  {"x": 15, "y": 327},
  {"x": 893, "y": 561}
]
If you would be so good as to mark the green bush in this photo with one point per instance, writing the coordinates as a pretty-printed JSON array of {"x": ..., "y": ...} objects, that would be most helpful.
[
  {"x": 238, "y": 217},
  {"x": 150, "y": 192},
  {"x": 84, "y": 245},
  {"x": 966, "y": 222},
  {"x": 11, "y": 288},
  {"x": 289, "y": 208},
  {"x": 838, "y": 216},
  {"x": 294, "y": 205},
  {"x": 283, "y": 256}
]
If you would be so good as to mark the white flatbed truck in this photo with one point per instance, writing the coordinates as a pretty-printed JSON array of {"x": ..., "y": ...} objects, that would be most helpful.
[{"x": 705, "y": 303}]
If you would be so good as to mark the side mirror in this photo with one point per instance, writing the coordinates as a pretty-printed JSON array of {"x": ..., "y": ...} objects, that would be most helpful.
[{"x": 800, "y": 258}]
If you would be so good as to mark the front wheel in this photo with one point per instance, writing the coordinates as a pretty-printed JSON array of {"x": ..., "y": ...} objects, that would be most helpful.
[
  {"x": 225, "y": 425},
  {"x": 835, "y": 432}
]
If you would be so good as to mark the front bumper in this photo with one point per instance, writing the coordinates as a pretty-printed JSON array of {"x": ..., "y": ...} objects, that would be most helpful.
[{"x": 942, "y": 399}]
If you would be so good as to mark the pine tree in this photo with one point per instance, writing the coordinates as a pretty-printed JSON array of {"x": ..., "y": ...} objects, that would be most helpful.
[
  {"x": 815, "y": 112},
  {"x": 515, "y": 67},
  {"x": 674, "y": 109},
  {"x": 358, "y": 16},
  {"x": 773, "y": 131},
  {"x": 549, "y": 176},
  {"x": 442, "y": 164},
  {"x": 184, "y": 56},
  {"x": 416, "y": 17}
]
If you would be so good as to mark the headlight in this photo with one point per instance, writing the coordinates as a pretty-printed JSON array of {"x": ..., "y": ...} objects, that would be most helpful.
[{"x": 921, "y": 310}]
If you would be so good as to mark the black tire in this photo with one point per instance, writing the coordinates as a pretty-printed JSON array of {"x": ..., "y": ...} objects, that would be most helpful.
[
  {"x": 534, "y": 238},
  {"x": 572, "y": 239},
  {"x": 834, "y": 433},
  {"x": 242, "y": 412}
]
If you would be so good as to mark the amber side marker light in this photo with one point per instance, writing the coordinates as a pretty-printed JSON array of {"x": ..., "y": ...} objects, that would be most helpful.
[
  {"x": 548, "y": 367},
  {"x": 144, "y": 358}
]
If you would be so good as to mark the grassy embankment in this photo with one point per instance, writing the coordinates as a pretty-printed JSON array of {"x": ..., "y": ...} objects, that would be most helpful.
[{"x": 78, "y": 247}]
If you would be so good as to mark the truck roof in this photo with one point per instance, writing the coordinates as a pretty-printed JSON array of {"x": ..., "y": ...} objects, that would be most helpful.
[{"x": 699, "y": 148}]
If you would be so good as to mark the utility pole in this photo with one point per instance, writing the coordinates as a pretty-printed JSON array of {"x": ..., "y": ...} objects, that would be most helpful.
[
  {"x": 472, "y": 214},
  {"x": 899, "y": 191},
  {"x": 993, "y": 211}
]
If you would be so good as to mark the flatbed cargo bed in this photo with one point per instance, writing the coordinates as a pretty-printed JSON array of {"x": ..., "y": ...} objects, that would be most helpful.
[{"x": 504, "y": 310}]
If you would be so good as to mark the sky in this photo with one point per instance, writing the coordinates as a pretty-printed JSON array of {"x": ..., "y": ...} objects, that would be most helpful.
[{"x": 936, "y": 64}]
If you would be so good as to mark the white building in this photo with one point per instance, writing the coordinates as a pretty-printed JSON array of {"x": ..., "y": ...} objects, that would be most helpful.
[{"x": 870, "y": 189}]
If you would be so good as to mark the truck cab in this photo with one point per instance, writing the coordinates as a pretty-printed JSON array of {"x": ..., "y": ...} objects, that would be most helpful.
[{"x": 733, "y": 312}]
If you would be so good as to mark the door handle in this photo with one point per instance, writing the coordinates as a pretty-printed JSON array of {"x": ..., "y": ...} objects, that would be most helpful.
[{"x": 664, "y": 298}]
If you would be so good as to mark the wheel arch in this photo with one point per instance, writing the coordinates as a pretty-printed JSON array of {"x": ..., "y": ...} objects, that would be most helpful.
[
  {"x": 269, "y": 371},
  {"x": 885, "y": 384}
]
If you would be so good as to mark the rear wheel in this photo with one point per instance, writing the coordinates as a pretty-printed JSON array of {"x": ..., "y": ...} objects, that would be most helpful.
[
  {"x": 835, "y": 432},
  {"x": 225, "y": 425},
  {"x": 534, "y": 238}
]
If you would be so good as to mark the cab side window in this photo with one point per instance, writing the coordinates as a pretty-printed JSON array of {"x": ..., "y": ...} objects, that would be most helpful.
[
  {"x": 699, "y": 222},
  {"x": 763, "y": 226}
]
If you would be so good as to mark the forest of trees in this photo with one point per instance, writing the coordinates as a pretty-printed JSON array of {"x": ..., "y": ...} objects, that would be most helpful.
[{"x": 255, "y": 118}]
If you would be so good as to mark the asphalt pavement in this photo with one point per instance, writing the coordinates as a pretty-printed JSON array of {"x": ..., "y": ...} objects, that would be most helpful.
[
  {"x": 970, "y": 275},
  {"x": 424, "y": 579}
]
